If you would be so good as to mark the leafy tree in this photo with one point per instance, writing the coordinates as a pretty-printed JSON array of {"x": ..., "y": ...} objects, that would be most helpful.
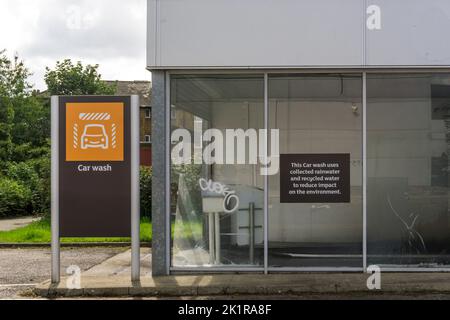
[
  {"x": 24, "y": 120},
  {"x": 31, "y": 122},
  {"x": 6, "y": 120},
  {"x": 24, "y": 142},
  {"x": 25, "y": 130},
  {"x": 75, "y": 79},
  {"x": 13, "y": 77}
]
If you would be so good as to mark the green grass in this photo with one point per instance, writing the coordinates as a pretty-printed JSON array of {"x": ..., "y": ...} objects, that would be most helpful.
[
  {"x": 188, "y": 230},
  {"x": 40, "y": 232}
]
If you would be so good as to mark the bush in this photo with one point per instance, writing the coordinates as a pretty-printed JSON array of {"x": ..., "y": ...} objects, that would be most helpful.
[
  {"x": 26, "y": 189},
  {"x": 25, "y": 152},
  {"x": 34, "y": 175},
  {"x": 146, "y": 192},
  {"x": 24, "y": 174},
  {"x": 43, "y": 169},
  {"x": 15, "y": 199}
]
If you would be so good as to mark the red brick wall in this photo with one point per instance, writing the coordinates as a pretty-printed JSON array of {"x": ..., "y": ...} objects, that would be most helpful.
[{"x": 146, "y": 156}]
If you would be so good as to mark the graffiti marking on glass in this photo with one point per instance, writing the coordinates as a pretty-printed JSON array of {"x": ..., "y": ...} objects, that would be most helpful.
[
  {"x": 230, "y": 196},
  {"x": 221, "y": 148},
  {"x": 415, "y": 240}
]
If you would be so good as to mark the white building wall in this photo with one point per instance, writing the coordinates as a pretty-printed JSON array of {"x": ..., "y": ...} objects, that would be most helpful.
[{"x": 296, "y": 33}]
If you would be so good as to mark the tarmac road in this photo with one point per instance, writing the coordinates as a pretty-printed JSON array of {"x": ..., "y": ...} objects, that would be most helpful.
[
  {"x": 21, "y": 269},
  {"x": 269, "y": 298}
]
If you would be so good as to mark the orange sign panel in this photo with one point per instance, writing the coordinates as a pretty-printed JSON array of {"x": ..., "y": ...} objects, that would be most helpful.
[{"x": 95, "y": 132}]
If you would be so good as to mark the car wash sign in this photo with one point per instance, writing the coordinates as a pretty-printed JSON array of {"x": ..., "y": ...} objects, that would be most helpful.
[
  {"x": 315, "y": 178},
  {"x": 94, "y": 166}
]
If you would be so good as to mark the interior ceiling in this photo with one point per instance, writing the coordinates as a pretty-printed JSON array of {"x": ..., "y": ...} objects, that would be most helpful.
[
  {"x": 209, "y": 89},
  {"x": 196, "y": 94}
]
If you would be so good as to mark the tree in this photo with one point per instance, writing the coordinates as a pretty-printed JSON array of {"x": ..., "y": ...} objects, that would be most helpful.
[
  {"x": 25, "y": 130},
  {"x": 24, "y": 142},
  {"x": 13, "y": 77},
  {"x": 75, "y": 79},
  {"x": 6, "y": 124},
  {"x": 31, "y": 122},
  {"x": 24, "y": 117}
]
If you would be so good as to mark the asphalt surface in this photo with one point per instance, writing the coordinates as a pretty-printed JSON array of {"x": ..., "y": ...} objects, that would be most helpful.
[
  {"x": 11, "y": 224},
  {"x": 268, "y": 298},
  {"x": 21, "y": 269}
]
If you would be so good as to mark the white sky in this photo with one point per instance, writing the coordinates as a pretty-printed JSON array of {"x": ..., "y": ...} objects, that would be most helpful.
[{"x": 111, "y": 33}]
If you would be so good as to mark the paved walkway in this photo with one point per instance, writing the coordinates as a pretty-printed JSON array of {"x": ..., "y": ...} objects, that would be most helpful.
[
  {"x": 12, "y": 224},
  {"x": 112, "y": 278},
  {"x": 21, "y": 269}
]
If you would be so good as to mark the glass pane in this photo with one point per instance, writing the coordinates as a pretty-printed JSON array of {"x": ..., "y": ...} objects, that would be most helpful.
[
  {"x": 217, "y": 201},
  {"x": 317, "y": 115},
  {"x": 408, "y": 146}
]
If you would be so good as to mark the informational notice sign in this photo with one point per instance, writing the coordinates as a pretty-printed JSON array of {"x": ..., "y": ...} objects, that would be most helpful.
[
  {"x": 94, "y": 170},
  {"x": 315, "y": 178}
]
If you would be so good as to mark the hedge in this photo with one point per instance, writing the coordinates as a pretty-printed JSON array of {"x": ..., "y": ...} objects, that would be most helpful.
[{"x": 15, "y": 199}]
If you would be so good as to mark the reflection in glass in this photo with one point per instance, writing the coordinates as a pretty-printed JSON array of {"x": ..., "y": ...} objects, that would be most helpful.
[
  {"x": 408, "y": 147},
  {"x": 317, "y": 114},
  {"x": 206, "y": 232}
]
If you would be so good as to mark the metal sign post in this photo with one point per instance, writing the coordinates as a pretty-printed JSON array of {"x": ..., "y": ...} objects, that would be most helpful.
[
  {"x": 95, "y": 172},
  {"x": 56, "y": 273},
  {"x": 135, "y": 191}
]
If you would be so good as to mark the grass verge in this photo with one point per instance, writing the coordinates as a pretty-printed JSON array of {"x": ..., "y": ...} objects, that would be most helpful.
[{"x": 40, "y": 232}]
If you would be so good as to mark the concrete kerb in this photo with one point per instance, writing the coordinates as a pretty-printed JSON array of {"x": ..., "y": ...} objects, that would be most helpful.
[
  {"x": 71, "y": 245},
  {"x": 304, "y": 284}
]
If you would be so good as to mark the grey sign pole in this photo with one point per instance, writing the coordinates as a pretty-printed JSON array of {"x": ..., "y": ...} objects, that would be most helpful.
[
  {"x": 55, "y": 190},
  {"x": 135, "y": 190}
]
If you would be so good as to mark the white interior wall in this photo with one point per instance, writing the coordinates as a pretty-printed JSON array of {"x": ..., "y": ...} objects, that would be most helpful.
[{"x": 317, "y": 127}]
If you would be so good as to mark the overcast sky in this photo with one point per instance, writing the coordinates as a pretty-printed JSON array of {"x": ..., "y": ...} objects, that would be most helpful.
[{"x": 111, "y": 33}]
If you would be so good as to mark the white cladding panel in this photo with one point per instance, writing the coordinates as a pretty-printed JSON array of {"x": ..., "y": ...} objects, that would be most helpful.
[
  {"x": 413, "y": 33},
  {"x": 254, "y": 33},
  {"x": 296, "y": 33}
]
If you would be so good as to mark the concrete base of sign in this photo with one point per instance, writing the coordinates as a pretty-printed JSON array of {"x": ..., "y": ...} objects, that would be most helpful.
[{"x": 112, "y": 279}]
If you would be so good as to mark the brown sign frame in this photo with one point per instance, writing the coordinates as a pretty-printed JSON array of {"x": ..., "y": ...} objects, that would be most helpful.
[
  {"x": 95, "y": 204},
  {"x": 78, "y": 196}
]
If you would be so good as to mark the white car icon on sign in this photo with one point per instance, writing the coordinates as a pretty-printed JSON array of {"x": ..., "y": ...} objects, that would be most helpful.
[{"x": 94, "y": 136}]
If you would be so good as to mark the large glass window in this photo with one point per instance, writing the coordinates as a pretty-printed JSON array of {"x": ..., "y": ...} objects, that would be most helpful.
[
  {"x": 217, "y": 186},
  {"x": 217, "y": 200},
  {"x": 407, "y": 190},
  {"x": 318, "y": 116}
]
